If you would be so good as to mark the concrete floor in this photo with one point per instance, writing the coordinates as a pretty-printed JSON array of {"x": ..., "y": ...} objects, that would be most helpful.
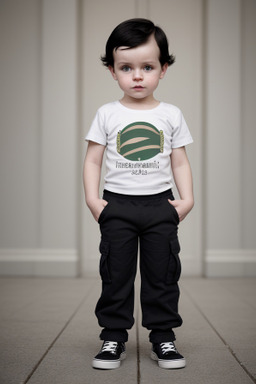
[{"x": 49, "y": 334}]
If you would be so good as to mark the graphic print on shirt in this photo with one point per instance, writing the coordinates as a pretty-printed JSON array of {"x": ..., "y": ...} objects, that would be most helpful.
[{"x": 140, "y": 141}]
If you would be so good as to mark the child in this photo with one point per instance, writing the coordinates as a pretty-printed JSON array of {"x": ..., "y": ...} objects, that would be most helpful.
[{"x": 144, "y": 140}]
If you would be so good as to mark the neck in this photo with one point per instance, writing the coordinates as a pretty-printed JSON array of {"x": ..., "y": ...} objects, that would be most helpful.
[{"x": 139, "y": 103}]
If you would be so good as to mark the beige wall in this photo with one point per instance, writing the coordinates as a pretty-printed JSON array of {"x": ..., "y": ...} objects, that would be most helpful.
[
  {"x": 52, "y": 83},
  {"x": 38, "y": 119},
  {"x": 230, "y": 138}
]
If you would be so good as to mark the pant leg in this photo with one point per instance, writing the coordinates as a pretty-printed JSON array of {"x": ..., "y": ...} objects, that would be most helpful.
[
  {"x": 118, "y": 247},
  {"x": 160, "y": 271}
]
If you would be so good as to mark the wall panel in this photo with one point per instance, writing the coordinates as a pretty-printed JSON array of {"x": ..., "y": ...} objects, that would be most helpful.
[
  {"x": 38, "y": 164},
  {"x": 19, "y": 123},
  {"x": 58, "y": 225},
  {"x": 248, "y": 131},
  {"x": 231, "y": 137}
]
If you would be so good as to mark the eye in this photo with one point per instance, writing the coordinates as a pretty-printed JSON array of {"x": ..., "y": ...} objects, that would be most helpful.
[
  {"x": 148, "y": 68},
  {"x": 125, "y": 68}
]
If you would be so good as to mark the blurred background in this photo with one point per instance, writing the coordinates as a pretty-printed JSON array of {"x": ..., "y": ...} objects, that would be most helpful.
[{"x": 51, "y": 84}]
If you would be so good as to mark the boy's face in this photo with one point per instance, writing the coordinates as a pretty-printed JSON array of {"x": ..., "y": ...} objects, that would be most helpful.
[{"x": 138, "y": 70}]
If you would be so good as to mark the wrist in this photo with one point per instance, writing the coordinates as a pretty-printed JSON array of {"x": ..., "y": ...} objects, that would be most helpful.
[
  {"x": 91, "y": 200},
  {"x": 189, "y": 203}
]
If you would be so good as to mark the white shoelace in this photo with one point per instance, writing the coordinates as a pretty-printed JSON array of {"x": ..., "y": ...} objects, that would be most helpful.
[
  {"x": 109, "y": 346},
  {"x": 168, "y": 347}
]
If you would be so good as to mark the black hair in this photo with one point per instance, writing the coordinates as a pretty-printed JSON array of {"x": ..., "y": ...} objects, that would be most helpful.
[{"x": 132, "y": 33}]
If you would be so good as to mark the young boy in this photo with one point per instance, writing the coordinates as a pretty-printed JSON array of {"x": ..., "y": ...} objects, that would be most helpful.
[{"x": 144, "y": 140}]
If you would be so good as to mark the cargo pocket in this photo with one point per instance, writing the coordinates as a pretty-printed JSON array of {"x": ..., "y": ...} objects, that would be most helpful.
[
  {"x": 174, "y": 267},
  {"x": 104, "y": 267}
]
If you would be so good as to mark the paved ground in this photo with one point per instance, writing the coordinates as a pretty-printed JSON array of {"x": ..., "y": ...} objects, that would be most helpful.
[{"x": 48, "y": 334}]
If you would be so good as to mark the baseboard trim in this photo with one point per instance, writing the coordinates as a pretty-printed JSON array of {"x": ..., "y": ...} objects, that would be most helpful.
[
  {"x": 38, "y": 262},
  {"x": 190, "y": 266},
  {"x": 64, "y": 263},
  {"x": 230, "y": 263}
]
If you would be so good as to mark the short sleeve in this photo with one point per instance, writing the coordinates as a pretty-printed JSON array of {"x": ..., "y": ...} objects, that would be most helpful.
[
  {"x": 97, "y": 131},
  {"x": 181, "y": 135}
]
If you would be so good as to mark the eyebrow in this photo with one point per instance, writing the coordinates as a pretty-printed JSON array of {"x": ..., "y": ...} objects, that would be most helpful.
[{"x": 150, "y": 62}]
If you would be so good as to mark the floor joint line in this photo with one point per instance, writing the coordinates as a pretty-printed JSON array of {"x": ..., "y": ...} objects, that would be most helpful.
[
  {"x": 138, "y": 346},
  {"x": 55, "y": 339},
  {"x": 220, "y": 337}
]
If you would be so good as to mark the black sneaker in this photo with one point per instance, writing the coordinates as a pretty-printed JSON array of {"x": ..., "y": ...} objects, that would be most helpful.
[
  {"x": 110, "y": 355},
  {"x": 167, "y": 356}
]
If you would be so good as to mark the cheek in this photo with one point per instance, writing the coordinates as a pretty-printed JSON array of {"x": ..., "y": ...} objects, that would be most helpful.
[
  {"x": 123, "y": 82},
  {"x": 154, "y": 81}
]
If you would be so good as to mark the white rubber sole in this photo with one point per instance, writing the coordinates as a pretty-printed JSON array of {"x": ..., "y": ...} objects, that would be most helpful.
[
  {"x": 168, "y": 364},
  {"x": 106, "y": 364}
]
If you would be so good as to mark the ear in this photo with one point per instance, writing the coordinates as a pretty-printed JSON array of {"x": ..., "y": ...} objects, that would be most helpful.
[
  {"x": 112, "y": 71},
  {"x": 164, "y": 69}
]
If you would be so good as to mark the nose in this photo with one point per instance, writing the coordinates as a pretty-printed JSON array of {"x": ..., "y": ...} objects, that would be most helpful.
[{"x": 137, "y": 74}]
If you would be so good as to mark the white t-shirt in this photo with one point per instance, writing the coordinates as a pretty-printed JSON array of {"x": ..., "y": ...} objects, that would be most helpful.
[{"x": 138, "y": 146}]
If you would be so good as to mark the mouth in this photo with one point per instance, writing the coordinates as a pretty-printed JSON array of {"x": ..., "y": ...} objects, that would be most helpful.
[{"x": 138, "y": 87}]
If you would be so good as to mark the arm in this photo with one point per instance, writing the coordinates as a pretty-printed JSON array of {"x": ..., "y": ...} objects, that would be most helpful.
[
  {"x": 91, "y": 177},
  {"x": 183, "y": 180}
]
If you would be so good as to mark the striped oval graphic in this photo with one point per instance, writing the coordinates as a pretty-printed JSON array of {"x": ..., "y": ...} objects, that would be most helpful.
[{"x": 140, "y": 141}]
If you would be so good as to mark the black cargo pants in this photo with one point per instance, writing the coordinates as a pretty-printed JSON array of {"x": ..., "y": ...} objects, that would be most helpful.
[{"x": 152, "y": 222}]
